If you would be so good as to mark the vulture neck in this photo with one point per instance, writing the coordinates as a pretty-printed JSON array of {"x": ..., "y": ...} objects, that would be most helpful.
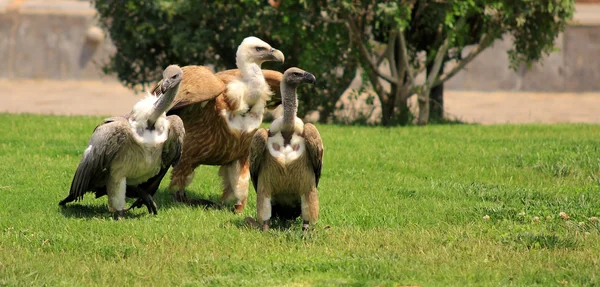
[
  {"x": 290, "y": 107},
  {"x": 161, "y": 105},
  {"x": 250, "y": 71}
]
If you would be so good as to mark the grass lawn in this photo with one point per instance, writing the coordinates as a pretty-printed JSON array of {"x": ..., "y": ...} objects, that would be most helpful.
[{"x": 406, "y": 206}]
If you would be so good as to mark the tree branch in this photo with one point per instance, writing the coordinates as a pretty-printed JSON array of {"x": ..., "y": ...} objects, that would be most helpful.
[
  {"x": 365, "y": 52},
  {"x": 391, "y": 57},
  {"x": 484, "y": 43},
  {"x": 404, "y": 57},
  {"x": 437, "y": 64}
]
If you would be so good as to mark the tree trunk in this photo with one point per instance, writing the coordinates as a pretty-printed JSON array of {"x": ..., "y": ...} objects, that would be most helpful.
[
  {"x": 423, "y": 117},
  {"x": 436, "y": 99},
  {"x": 436, "y": 103},
  {"x": 387, "y": 110},
  {"x": 403, "y": 114}
]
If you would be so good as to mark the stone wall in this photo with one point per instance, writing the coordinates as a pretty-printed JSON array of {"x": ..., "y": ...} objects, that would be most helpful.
[{"x": 51, "y": 40}]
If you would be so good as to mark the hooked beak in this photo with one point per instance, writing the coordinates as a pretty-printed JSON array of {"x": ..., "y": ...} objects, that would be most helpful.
[
  {"x": 166, "y": 84},
  {"x": 309, "y": 78},
  {"x": 276, "y": 55}
]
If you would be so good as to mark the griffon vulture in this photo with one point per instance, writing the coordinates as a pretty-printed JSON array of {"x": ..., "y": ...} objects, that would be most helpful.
[
  {"x": 129, "y": 155},
  {"x": 221, "y": 112},
  {"x": 286, "y": 160}
]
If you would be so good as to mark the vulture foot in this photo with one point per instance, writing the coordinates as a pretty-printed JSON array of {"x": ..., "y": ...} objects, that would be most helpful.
[
  {"x": 147, "y": 200},
  {"x": 252, "y": 222},
  {"x": 238, "y": 208},
  {"x": 265, "y": 226},
  {"x": 119, "y": 214},
  {"x": 305, "y": 225}
]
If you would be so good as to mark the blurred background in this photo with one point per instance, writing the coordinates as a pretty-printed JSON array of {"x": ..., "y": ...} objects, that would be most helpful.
[{"x": 522, "y": 64}]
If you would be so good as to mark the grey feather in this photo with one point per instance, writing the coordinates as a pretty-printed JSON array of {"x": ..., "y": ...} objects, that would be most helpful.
[{"x": 93, "y": 170}]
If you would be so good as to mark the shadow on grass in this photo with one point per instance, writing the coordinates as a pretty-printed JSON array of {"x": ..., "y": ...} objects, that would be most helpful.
[
  {"x": 163, "y": 198},
  {"x": 76, "y": 210},
  {"x": 274, "y": 224}
]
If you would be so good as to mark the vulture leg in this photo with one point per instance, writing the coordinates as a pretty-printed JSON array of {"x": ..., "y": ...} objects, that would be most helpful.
[
  {"x": 116, "y": 189},
  {"x": 236, "y": 178},
  {"x": 181, "y": 176},
  {"x": 310, "y": 208},
  {"x": 263, "y": 207},
  {"x": 145, "y": 192}
]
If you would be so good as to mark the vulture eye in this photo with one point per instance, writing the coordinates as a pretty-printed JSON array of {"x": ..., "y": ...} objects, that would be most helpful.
[
  {"x": 174, "y": 77},
  {"x": 258, "y": 49},
  {"x": 297, "y": 74}
]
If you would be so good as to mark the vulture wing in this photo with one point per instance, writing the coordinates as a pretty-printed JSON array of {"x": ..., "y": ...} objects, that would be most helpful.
[
  {"x": 314, "y": 146},
  {"x": 93, "y": 170},
  {"x": 273, "y": 78},
  {"x": 257, "y": 154},
  {"x": 173, "y": 146},
  {"x": 199, "y": 84}
]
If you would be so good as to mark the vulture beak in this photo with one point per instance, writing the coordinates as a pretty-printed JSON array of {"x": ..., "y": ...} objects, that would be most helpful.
[
  {"x": 165, "y": 85},
  {"x": 309, "y": 78},
  {"x": 276, "y": 55}
]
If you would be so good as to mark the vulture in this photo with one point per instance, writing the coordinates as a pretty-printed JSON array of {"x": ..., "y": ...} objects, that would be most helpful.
[
  {"x": 129, "y": 155},
  {"x": 221, "y": 113},
  {"x": 286, "y": 161}
]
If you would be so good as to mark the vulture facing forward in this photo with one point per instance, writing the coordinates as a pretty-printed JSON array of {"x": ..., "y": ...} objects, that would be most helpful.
[
  {"x": 221, "y": 113},
  {"x": 128, "y": 156},
  {"x": 286, "y": 161}
]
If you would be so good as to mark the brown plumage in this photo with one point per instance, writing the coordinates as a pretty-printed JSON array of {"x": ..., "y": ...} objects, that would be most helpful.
[
  {"x": 221, "y": 113},
  {"x": 286, "y": 161}
]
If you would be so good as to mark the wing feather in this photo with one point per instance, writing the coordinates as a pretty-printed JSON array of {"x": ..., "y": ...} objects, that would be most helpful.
[
  {"x": 174, "y": 145},
  {"x": 199, "y": 84},
  {"x": 105, "y": 143},
  {"x": 257, "y": 154},
  {"x": 314, "y": 146}
]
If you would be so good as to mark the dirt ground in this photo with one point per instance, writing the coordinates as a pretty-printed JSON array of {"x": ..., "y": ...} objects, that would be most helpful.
[{"x": 110, "y": 98}]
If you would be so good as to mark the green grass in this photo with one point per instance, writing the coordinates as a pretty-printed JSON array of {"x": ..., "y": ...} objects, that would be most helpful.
[{"x": 405, "y": 206}]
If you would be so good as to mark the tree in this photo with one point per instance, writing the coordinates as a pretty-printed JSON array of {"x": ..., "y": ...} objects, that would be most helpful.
[
  {"x": 442, "y": 29},
  {"x": 331, "y": 38},
  {"x": 150, "y": 35}
]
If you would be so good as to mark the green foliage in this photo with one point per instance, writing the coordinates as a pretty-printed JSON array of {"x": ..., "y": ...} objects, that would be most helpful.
[
  {"x": 150, "y": 35},
  {"x": 313, "y": 34},
  {"x": 534, "y": 25},
  {"x": 398, "y": 216}
]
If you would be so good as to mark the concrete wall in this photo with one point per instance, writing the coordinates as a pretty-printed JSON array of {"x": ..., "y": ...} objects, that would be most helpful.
[
  {"x": 575, "y": 68},
  {"x": 49, "y": 40}
]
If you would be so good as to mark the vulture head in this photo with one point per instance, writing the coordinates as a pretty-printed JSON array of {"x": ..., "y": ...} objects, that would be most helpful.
[
  {"x": 255, "y": 50},
  {"x": 295, "y": 76},
  {"x": 172, "y": 76}
]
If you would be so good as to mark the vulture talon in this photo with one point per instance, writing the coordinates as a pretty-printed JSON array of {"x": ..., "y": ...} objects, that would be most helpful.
[
  {"x": 119, "y": 214},
  {"x": 305, "y": 226},
  {"x": 138, "y": 203},
  {"x": 252, "y": 222},
  {"x": 238, "y": 208},
  {"x": 181, "y": 196},
  {"x": 149, "y": 202}
]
